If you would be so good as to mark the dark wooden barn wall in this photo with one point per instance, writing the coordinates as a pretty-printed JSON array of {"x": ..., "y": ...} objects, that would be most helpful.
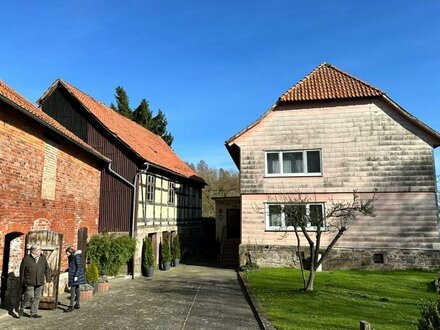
[
  {"x": 58, "y": 107},
  {"x": 116, "y": 195}
]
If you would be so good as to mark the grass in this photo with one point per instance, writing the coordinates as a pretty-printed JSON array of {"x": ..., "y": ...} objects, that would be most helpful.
[{"x": 386, "y": 299}]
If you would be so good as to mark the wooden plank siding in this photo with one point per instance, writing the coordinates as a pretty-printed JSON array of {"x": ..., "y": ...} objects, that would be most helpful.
[
  {"x": 364, "y": 145},
  {"x": 116, "y": 196},
  {"x": 404, "y": 220}
]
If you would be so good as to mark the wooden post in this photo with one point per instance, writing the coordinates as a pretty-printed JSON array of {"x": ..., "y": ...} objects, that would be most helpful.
[{"x": 364, "y": 325}]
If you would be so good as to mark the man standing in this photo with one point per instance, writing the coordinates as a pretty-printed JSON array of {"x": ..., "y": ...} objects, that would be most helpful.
[{"x": 33, "y": 269}]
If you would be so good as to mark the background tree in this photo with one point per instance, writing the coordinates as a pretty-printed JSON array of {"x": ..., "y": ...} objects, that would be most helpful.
[
  {"x": 337, "y": 218},
  {"x": 159, "y": 126},
  {"x": 122, "y": 104},
  {"x": 221, "y": 183},
  {"x": 142, "y": 115}
]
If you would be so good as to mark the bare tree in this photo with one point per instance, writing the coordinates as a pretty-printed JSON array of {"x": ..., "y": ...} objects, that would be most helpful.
[{"x": 334, "y": 220}]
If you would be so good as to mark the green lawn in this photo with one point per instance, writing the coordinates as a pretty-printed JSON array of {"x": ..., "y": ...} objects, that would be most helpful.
[{"x": 386, "y": 299}]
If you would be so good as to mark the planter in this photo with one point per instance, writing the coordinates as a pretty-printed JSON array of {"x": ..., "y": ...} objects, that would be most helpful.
[
  {"x": 103, "y": 287},
  {"x": 150, "y": 272},
  {"x": 86, "y": 295},
  {"x": 166, "y": 265},
  {"x": 176, "y": 262}
]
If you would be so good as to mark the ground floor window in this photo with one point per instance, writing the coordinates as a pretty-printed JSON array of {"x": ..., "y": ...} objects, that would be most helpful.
[{"x": 284, "y": 217}]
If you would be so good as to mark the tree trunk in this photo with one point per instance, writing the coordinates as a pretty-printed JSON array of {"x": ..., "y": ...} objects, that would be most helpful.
[
  {"x": 300, "y": 259},
  {"x": 311, "y": 280}
]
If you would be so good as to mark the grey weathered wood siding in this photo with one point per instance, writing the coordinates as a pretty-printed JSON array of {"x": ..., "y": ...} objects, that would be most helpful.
[
  {"x": 362, "y": 147},
  {"x": 365, "y": 146}
]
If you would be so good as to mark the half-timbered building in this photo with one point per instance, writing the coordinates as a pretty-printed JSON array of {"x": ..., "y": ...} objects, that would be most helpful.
[{"x": 147, "y": 190}]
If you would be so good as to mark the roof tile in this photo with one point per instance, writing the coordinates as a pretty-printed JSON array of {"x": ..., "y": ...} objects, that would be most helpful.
[
  {"x": 146, "y": 144},
  {"x": 19, "y": 101},
  {"x": 327, "y": 82}
]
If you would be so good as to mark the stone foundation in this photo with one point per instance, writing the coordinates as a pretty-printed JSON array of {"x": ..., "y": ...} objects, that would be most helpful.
[{"x": 344, "y": 258}]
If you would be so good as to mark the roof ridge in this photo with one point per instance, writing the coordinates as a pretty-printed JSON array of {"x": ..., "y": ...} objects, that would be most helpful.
[{"x": 327, "y": 82}]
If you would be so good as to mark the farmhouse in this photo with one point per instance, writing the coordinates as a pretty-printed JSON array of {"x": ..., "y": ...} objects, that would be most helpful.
[
  {"x": 328, "y": 135},
  {"x": 147, "y": 190},
  {"x": 49, "y": 186}
]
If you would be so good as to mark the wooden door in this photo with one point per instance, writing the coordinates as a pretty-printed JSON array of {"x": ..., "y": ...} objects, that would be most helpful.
[
  {"x": 51, "y": 244},
  {"x": 233, "y": 223}
]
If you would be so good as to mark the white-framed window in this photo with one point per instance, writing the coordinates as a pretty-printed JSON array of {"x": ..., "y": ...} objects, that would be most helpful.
[
  {"x": 171, "y": 193},
  {"x": 293, "y": 163},
  {"x": 283, "y": 217},
  {"x": 151, "y": 180}
]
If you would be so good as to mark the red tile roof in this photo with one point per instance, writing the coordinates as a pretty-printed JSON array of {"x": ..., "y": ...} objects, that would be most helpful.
[
  {"x": 149, "y": 146},
  {"x": 19, "y": 102},
  {"x": 327, "y": 82}
]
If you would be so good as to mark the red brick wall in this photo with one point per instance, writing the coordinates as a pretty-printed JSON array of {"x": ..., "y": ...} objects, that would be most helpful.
[{"x": 75, "y": 202}]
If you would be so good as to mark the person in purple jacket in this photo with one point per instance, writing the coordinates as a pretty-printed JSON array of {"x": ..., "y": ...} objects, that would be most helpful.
[{"x": 76, "y": 277}]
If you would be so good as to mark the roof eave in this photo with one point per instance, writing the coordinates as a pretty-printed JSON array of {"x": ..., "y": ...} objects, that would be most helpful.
[
  {"x": 53, "y": 129},
  {"x": 433, "y": 133}
]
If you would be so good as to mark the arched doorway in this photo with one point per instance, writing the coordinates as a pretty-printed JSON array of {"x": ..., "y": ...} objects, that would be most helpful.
[{"x": 12, "y": 255}]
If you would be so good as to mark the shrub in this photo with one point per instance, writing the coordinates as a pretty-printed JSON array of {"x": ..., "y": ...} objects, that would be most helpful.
[
  {"x": 85, "y": 287},
  {"x": 430, "y": 318},
  {"x": 102, "y": 279},
  {"x": 175, "y": 251},
  {"x": 110, "y": 252},
  {"x": 166, "y": 251},
  {"x": 148, "y": 254},
  {"x": 92, "y": 273}
]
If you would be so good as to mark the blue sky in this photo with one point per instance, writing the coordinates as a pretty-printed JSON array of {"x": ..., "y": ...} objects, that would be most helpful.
[{"x": 214, "y": 67}]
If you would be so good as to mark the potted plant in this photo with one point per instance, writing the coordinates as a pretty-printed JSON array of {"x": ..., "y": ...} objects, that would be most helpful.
[
  {"x": 166, "y": 253},
  {"x": 149, "y": 261},
  {"x": 103, "y": 285},
  {"x": 92, "y": 275},
  {"x": 175, "y": 251},
  {"x": 86, "y": 292}
]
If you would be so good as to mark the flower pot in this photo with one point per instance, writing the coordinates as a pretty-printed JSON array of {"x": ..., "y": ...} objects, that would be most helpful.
[
  {"x": 86, "y": 295},
  {"x": 150, "y": 272},
  {"x": 103, "y": 287},
  {"x": 166, "y": 265},
  {"x": 176, "y": 262}
]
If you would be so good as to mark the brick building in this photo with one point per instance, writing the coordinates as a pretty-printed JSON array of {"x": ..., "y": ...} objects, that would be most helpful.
[{"x": 49, "y": 180}]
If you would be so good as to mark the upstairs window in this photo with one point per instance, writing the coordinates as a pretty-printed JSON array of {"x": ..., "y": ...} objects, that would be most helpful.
[
  {"x": 293, "y": 163},
  {"x": 171, "y": 193},
  {"x": 150, "y": 188},
  {"x": 283, "y": 217}
]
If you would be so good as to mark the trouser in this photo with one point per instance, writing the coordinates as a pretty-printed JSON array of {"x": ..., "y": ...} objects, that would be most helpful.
[
  {"x": 74, "y": 295},
  {"x": 34, "y": 293}
]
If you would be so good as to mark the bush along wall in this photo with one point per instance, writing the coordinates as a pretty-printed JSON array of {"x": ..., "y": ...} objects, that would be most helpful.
[{"x": 110, "y": 252}]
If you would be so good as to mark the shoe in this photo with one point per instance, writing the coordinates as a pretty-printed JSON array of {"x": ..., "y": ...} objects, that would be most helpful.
[
  {"x": 69, "y": 309},
  {"x": 35, "y": 316},
  {"x": 15, "y": 314},
  {"x": 76, "y": 306}
]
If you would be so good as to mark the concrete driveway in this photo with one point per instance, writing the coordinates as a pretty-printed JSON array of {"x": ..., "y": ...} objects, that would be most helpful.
[{"x": 186, "y": 297}]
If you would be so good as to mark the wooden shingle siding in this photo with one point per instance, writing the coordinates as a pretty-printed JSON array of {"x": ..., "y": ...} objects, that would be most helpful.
[
  {"x": 403, "y": 220},
  {"x": 362, "y": 146}
]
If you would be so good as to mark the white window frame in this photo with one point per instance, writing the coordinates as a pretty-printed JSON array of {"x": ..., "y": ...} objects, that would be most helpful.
[
  {"x": 280, "y": 158},
  {"x": 150, "y": 188},
  {"x": 283, "y": 226},
  {"x": 171, "y": 193}
]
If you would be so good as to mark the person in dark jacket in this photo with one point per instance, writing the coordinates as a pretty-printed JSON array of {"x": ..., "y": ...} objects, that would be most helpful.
[
  {"x": 34, "y": 272},
  {"x": 76, "y": 277}
]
